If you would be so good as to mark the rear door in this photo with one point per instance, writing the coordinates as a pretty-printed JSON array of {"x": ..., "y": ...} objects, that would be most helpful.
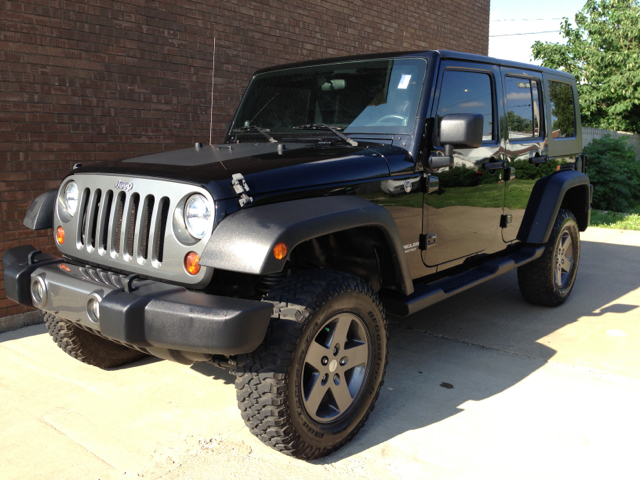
[
  {"x": 464, "y": 216},
  {"x": 526, "y": 145}
]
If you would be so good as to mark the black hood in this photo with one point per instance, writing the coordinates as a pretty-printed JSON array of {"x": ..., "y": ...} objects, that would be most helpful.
[{"x": 264, "y": 169}]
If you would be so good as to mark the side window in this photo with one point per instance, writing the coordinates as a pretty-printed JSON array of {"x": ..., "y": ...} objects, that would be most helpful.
[
  {"x": 563, "y": 122},
  {"x": 523, "y": 108},
  {"x": 468, "y": 92}
]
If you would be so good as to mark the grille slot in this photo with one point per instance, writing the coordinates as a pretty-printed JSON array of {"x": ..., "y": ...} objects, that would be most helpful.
[
  {"x": 82, "y": 217},
  {"x": 146, "y": 225},
  {"x": 118, "y": 221},
  {"x": 132, "y": 214},
  {"x": 103, "y": 221},
  {"x": 93, "y": 218},
  {"x": 162, "y": 227}
]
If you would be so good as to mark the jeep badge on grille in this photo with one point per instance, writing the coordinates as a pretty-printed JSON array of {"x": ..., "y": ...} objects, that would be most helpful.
[{"x": 126, "y": 186}]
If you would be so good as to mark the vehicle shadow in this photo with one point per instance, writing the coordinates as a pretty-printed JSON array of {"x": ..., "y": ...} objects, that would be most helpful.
[
  {"x": 216, "y": 373},
  {"x": 483, "y": 342}
]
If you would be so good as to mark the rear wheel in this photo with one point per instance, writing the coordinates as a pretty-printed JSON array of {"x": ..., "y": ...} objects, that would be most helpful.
[
  {"x": 87, "y": 347},
  {"x": 311, "y": 385},
  {"x": 549, "y": 280}
]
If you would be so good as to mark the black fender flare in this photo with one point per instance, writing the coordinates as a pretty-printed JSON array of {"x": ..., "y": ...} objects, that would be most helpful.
[
  {"x": 243, "y": 241},
  {"x": 40, "y": 213},
  {"x": 545, "y": 202}
]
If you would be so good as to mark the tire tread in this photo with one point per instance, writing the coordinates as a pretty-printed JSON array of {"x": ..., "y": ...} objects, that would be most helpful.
[{"x": 87, "y": 347}]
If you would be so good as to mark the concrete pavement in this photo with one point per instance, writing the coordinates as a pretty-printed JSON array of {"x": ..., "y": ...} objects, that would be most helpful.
[{"x": 483, "y": 385}]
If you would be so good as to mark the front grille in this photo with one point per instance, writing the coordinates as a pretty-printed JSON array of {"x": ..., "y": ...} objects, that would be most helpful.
[
  {"x": 132, "y": 225},
  {"x": 121, "y": 228}
]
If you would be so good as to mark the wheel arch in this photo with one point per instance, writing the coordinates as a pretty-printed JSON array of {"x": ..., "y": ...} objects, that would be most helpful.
[
  {"x": 565, "y": 189},
  {"x": 312, "y": 228}
]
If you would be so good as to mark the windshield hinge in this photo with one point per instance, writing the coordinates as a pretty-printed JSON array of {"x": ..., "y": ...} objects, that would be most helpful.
[{"x": 241, "y": 188}]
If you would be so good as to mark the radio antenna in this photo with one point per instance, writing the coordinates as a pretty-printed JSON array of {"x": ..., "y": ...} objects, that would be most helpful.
[{"x": 213, "y": 81}]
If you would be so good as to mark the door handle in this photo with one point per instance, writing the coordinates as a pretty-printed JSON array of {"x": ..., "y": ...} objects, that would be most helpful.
[
  {"x": 494, "y": 165},
  {"x": 539, "y": 160}
]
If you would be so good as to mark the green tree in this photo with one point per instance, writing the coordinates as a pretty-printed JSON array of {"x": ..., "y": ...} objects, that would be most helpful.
[
  {"x": 562, "y": 111},
  {"x": 603, "y": 53},
  {"x": 519, "y": 124}
]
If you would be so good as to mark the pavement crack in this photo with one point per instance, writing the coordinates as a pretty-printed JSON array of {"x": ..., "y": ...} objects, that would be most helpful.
[{"x": 47, "y": 422}]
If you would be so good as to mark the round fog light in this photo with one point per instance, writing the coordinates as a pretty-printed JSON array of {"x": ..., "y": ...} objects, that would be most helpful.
[
  {"x": 39, "y": 292},
  {"x": 93, "y": 307}
]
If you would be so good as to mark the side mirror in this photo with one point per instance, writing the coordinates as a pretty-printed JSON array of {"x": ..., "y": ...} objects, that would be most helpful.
[{"x": 457, "y": 131}]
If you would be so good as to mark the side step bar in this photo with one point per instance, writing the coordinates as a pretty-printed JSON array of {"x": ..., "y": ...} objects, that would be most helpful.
[{"x": 426, "y": 295}]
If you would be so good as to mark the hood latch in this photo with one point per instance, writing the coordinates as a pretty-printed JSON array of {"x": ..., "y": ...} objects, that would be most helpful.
[{"x": 241, "y": 188}]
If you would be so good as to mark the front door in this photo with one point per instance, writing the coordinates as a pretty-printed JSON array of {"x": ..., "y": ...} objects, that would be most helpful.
[{"x": 464, "y": 215}]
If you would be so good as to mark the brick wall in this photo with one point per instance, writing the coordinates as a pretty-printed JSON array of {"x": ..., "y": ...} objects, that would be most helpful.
[{"x": 92, "y": 80}]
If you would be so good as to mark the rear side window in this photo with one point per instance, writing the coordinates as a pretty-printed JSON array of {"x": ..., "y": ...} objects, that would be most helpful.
[
  {"x": 467, "y": 92},
  {"x": 563, "y": 120},
  {"x": 523, "y": 108}
]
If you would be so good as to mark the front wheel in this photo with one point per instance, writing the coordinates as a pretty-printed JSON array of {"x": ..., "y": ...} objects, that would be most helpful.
[
  {"x": 548, "y": 281},
  {"x": 311, "y": 385}
]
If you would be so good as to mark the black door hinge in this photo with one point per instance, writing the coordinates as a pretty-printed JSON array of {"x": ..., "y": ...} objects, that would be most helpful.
[
  {"x": 506, "y": 220},
  {"x": 427, "y": 241}
]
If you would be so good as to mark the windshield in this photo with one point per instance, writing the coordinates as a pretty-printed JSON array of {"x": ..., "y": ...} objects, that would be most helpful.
[{"x": 373, "y": 96}]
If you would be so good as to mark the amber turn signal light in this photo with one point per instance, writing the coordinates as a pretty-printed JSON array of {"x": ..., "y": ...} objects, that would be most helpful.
[
  {"x": 280, "y": 251},
  {"x": 60, "y": 235},
  {"x": 191, "y": 263}
]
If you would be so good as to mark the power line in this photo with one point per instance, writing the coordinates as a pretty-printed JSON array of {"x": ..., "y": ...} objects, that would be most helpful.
[
  {"x": 524, "y": 19},
  {"x": 528, "y": 33}
]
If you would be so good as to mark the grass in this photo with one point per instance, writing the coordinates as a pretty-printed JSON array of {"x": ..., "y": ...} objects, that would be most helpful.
[{"x": 620, "y": 221}]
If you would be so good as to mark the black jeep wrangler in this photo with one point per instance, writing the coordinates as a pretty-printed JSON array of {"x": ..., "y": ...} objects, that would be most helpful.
[{"x": 344, "y": 189}]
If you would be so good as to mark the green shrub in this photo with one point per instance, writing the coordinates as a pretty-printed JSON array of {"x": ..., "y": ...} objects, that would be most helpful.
[
  {"x": 529, "y": 171},
  {"x": 615, "y": 173},
  {"x": 458, "y": 177}
]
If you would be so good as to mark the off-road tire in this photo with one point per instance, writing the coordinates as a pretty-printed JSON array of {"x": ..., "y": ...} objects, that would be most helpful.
[
  {"x": 268, "y": 380},
  {"x": 537, "y": 281},
  {"x": 87, "y": 347}
]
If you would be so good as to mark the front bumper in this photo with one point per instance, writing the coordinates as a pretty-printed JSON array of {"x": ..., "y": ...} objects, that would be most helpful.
[{"x": 165, "y": 320}]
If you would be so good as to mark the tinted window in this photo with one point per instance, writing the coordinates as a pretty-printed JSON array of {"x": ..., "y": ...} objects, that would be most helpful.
[
  {"x": 563, "y": 122},
  {"x": 523, "y": 108},
  {"x": 467, "y": 92},
  {"x": 377, "y": 96}
]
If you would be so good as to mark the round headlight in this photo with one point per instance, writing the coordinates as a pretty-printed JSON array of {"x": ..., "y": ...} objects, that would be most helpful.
[
  {"x": 71, "y": 197},
  {"x": 197, "y": 215}
]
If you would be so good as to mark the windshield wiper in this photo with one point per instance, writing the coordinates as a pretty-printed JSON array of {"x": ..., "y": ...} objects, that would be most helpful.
[
  {"x": 255, "y": 128},
  {"x": 324, "y": 126}
]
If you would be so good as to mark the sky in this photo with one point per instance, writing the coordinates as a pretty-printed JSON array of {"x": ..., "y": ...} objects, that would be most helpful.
[{"x": 510, "y": 20}]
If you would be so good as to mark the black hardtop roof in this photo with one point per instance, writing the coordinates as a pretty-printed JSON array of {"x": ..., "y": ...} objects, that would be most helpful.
[{"x": 444, "y": 54}]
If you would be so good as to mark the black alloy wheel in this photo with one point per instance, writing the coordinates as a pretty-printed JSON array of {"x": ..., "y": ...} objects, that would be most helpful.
[{"x": 336, "y": 365}]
